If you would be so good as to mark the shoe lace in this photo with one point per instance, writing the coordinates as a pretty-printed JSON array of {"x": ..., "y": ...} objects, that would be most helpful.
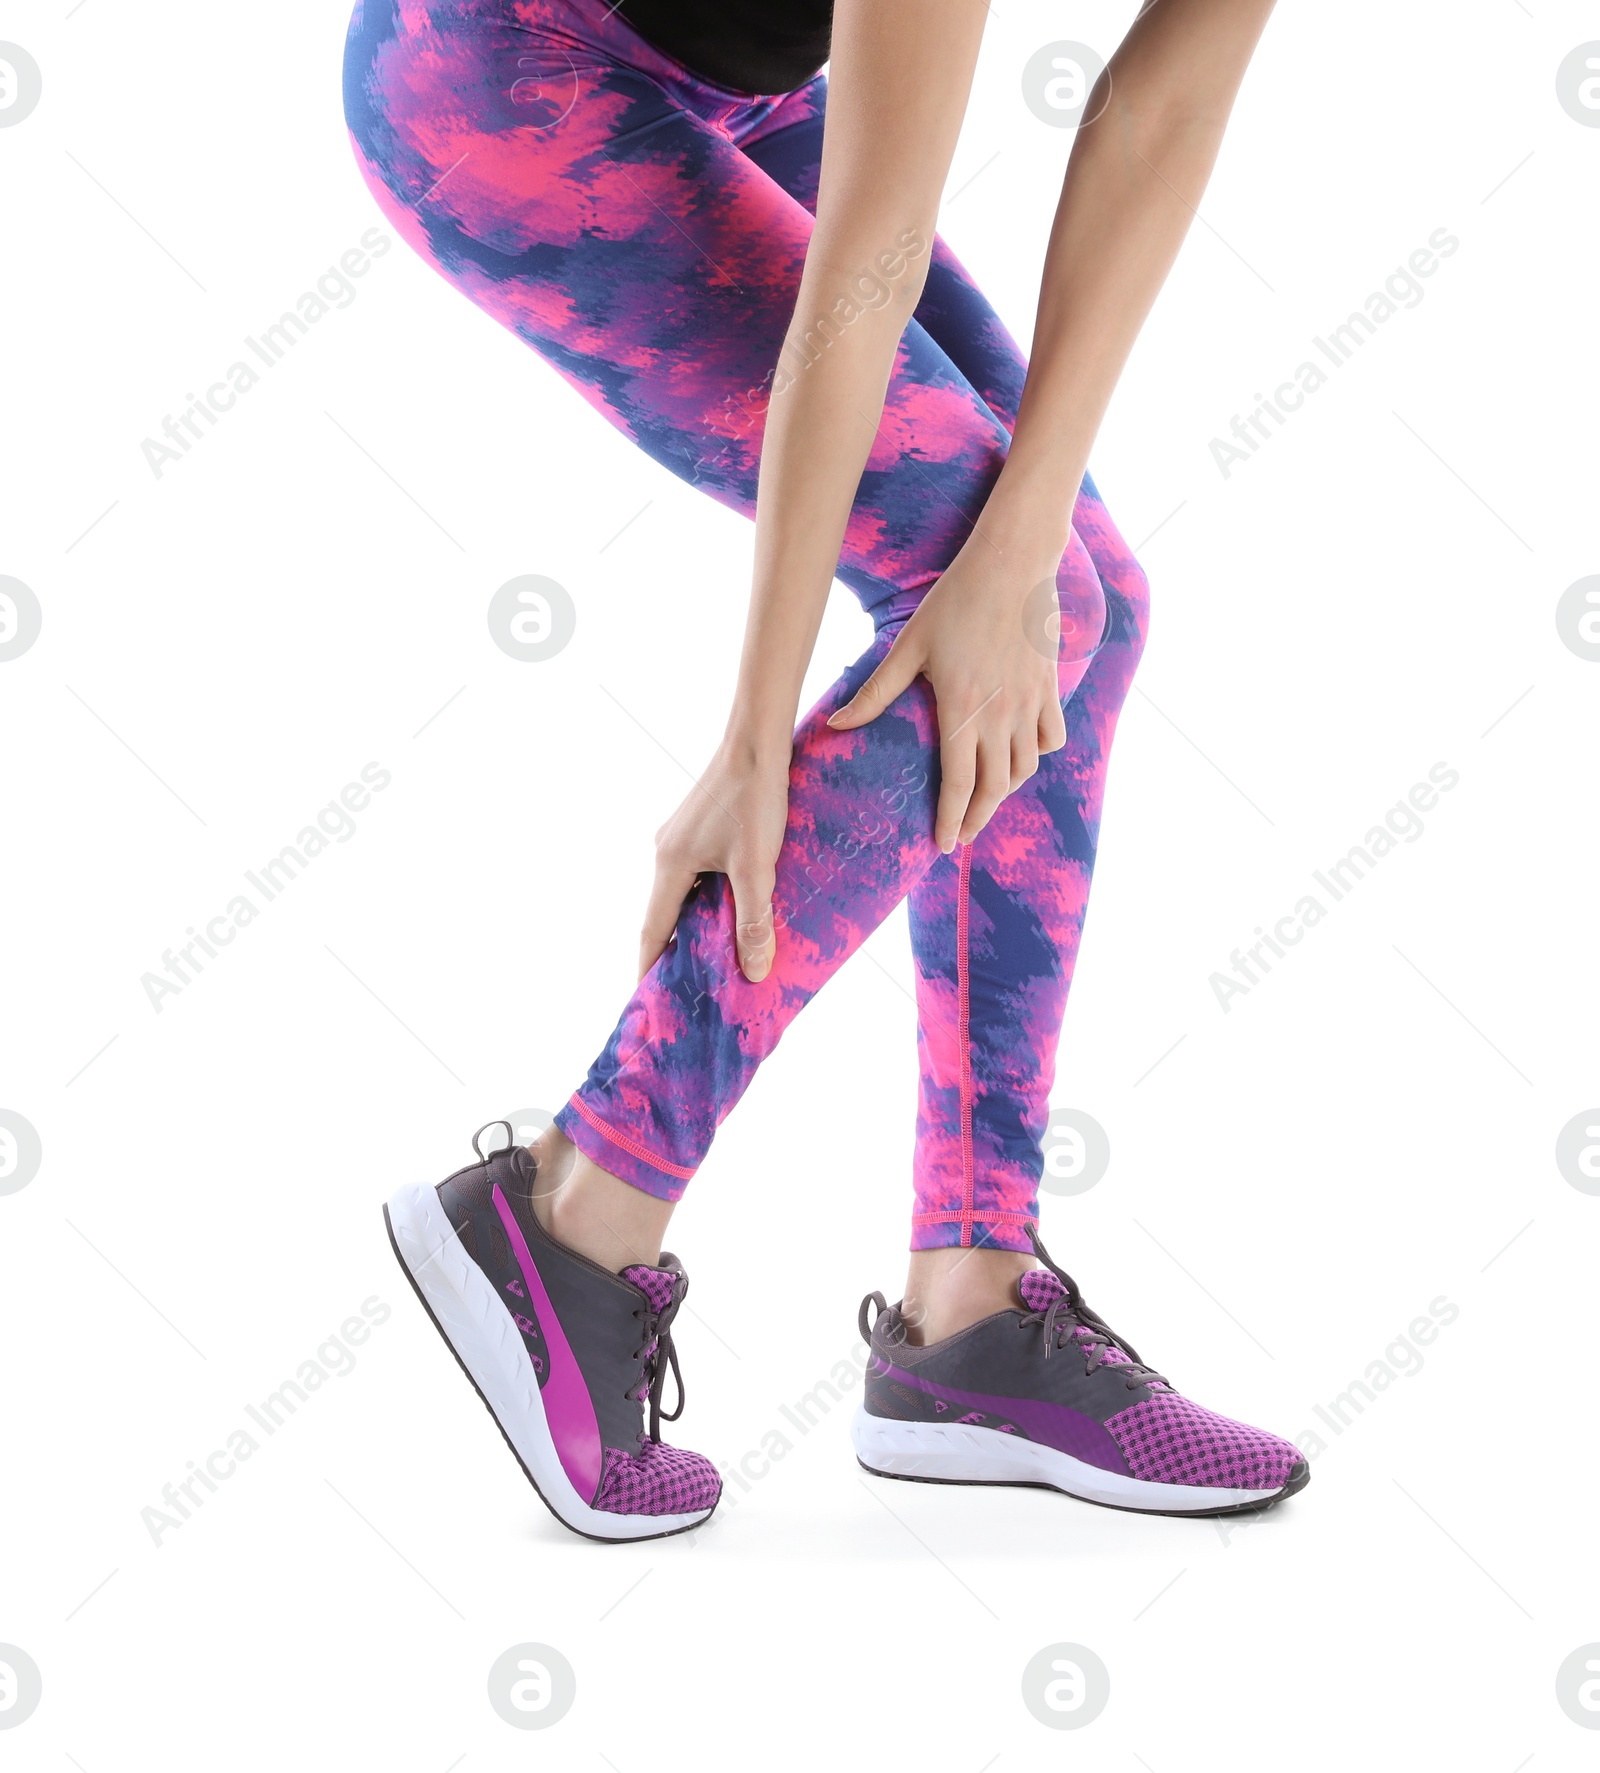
[
  {"x": 1069, "y": 1322},
  {"x": 658, "y": 1357}
]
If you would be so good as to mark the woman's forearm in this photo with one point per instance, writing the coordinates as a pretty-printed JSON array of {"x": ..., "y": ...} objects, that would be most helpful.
[
  {"x": 827, "y": 396},
  {"x": 899, "y": 78},
  {"x": 1132, "y": 183}
]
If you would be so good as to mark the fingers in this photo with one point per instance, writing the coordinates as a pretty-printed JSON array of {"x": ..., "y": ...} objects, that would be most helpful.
[
  {"x": 1052, "y": 728},
  {"x": 978, "y": 771},
  {"x": 897, "y": 672},
  {"x": 754, "y": 926},
  {"x": 992, "y": 786},
  {"x": 753, "y": 922},
  {"x": 673, "y": 883},
  {"x": 1024, "y": 759},
  {"x": 958, "y": 776}
]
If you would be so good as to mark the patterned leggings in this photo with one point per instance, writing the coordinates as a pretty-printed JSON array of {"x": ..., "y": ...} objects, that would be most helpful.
[{"x": 644, "y": 231}]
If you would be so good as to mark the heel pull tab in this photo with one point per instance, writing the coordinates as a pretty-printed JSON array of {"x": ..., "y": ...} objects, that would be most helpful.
[
  {"x": 511, "y": 1138},
  {"x": 861, "y": 1316}
]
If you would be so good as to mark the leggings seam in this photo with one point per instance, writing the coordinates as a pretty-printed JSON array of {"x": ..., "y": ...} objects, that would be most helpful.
[
  {"x": 631, "y": 1146},
  {"x": 964, "y": 1040}
]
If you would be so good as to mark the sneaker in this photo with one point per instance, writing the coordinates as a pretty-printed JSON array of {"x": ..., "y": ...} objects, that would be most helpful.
[
  {"x": 566, "y": 1354},
  {"x": 1046, "y": 1394}
]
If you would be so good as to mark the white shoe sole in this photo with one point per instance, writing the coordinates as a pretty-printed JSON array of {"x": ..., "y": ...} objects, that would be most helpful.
[
  {"x": 467, "y": 1312},
  {"x": 936, "y": 1452}
]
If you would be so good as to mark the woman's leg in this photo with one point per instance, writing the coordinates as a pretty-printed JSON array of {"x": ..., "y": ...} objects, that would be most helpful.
[
  {"x": 628, "y": 240},
  {"x": 995, "y": 932},
  {"x": 995, "y": 928}
]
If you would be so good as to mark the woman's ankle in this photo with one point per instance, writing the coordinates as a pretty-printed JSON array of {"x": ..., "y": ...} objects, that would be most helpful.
[
  {"x": 948, "y": 1290},
  {"x": 593, "y": 1212}
]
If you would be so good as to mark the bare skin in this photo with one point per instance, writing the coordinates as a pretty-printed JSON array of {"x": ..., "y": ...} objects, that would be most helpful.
[
  {"x": 899, "y": 79},
  {"x": 593, "y": 1212},
  {"x": 615, "y": 1224}
]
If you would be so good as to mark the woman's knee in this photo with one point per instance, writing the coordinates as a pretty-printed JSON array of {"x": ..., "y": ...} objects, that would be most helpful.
[
  {"x": 1123, "y": 581},
  {"x": 1132, "y": 593}
]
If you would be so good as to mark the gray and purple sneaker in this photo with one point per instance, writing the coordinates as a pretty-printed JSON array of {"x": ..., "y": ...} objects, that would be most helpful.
[
  {"x": 1046, "y": 1394},
  {"x": 567, "y": 1355}
]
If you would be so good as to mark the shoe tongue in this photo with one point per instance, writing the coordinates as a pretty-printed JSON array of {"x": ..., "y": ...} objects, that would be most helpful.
[
  {"x": 1040, "y": 1289},
  {"x": 655, "y": 1283}
]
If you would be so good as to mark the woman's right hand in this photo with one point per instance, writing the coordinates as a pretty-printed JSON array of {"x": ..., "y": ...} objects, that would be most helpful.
[{"x": 732, "y": 823}]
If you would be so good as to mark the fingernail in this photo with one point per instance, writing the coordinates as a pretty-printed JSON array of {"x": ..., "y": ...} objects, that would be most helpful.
[{"x": 836, "y": 717}]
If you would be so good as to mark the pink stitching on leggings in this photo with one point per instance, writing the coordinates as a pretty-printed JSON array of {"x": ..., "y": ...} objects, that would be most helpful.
[
  {"x": 963, "y": 1038},
  {"x": 631, "y": 1146},
  {"x": 953, "y": 1218}
]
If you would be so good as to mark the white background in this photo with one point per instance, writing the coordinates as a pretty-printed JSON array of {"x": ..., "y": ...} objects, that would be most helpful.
[{"x": 1292, "y": 1182}]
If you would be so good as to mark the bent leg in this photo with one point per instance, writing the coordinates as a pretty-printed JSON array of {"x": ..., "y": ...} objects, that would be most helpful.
[{"x": 655, "y": 266}]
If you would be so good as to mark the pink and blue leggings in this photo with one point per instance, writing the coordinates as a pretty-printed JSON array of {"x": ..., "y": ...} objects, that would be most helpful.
[{"x": 644, "y": 231}]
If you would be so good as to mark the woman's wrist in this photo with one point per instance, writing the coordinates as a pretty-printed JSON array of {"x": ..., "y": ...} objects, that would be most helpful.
[
  {"x": 760, "y": 732},
  {"x": 1027, "y": 517}
]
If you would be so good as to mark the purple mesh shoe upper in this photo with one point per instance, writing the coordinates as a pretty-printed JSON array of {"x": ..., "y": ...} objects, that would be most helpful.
[
  {"x": 1171, "y": 1440},
  {"x": 657, "y": 1480}
]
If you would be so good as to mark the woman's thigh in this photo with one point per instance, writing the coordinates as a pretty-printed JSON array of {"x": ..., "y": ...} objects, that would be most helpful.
[
  {"x": 652, "y": 263},
  {"x": 954, "y": 312}
]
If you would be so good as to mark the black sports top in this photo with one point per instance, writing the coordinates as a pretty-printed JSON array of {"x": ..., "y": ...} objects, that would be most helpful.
[{"x": 750, "y": 45}]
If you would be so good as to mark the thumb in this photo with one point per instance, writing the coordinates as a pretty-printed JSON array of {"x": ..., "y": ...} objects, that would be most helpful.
[
  {"x": 897, "y": 672},
  {"x": 754, "y": 933}
]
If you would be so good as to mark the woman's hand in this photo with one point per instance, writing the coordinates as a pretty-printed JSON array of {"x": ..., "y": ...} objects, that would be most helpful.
[
  {"x": 984, "y": 638},
  {"x": 732, "y": 823}
]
